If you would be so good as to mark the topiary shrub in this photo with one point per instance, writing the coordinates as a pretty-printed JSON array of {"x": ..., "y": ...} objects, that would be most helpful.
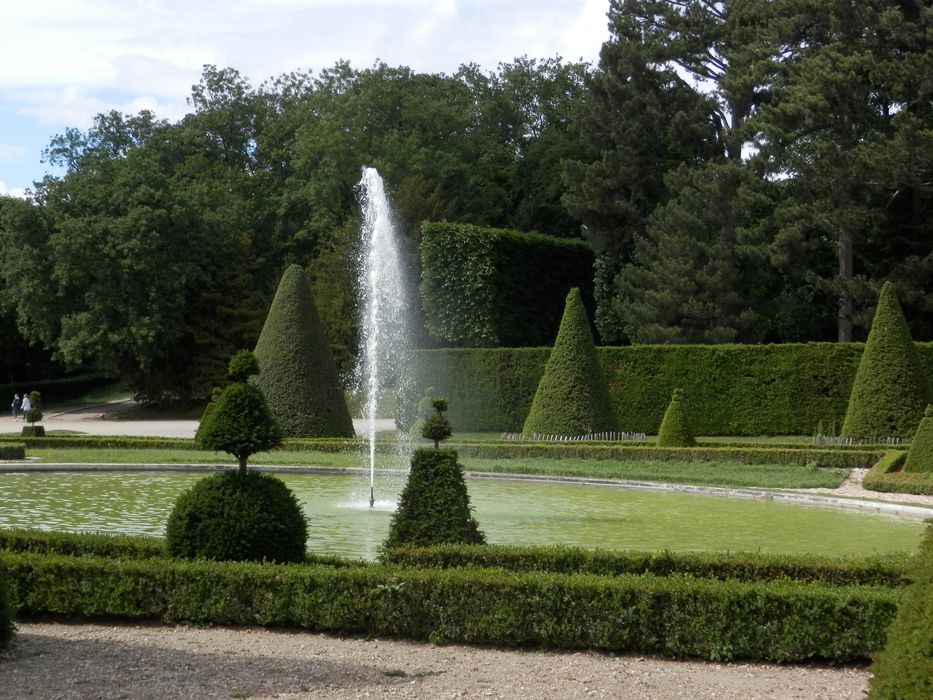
[
  {"x": 434, "y": 507},
  {"x": 920, "y": 454},
  {"x": 436, "y": 427},
  {"x": 297, "y": 372},
  {"x": 572, "y": 397},
  {"x": 7, "y": 628},
  {"x": 904, "y": 668},
  {"x": 240, "y": 517},
  {"x": 675, "y": 430},
  {"x": 891, "y": 388},
  {"x": 238, "y": 420}
]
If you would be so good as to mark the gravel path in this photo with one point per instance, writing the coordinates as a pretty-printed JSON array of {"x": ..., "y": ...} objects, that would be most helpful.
[{"x": 52, "y": 660}]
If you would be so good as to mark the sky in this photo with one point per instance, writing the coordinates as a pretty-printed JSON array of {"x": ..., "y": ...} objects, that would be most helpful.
[{"x": 64, "y": 61}]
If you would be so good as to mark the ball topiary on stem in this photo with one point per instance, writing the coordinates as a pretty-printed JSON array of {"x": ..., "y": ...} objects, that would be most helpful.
[
  {"x": 920, "y": 454},
  {"x": 891, "y": 388},
  {"x": 675, "y": 430},
  {"x": 572, "y": 397},
  {"x": 436, "y": 427},
  {"x": 237, "y": 420},
  {"x": 434, "y": 507}
]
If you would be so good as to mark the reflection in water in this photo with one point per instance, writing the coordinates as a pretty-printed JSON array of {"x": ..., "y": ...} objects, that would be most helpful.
[{"x": 341, "y": 522}]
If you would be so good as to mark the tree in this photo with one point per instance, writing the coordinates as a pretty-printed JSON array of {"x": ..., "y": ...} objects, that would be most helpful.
[
  {"x": 434, "y": 507},
  {"x": 436, "y": 427},
  {"x": 297, "y": 371},
  {"x": 891, "y": 389},
  {"x": 675, "y": 430},
  {"x": 238, "y": 420},
  {"x": 572, "y": 397}
]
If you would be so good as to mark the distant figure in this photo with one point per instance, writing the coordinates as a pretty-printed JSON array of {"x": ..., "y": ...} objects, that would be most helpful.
[
  {"x": 15, "y": 406},
  {"x": 27, "y": 405}
]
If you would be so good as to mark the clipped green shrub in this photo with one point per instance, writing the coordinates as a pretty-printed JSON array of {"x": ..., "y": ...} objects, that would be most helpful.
[
  {"x": 572, "y": 397},
  {"x": 675, "y": 430},
  {"x": 238, "y": 517},
  {"x": 435, "y": 426},
  {"x": 496, "y": 287},
  {"x": 7, "y": 627},
  {"x": 13, "y": 450},
  {"x": 33, "y": 430},
  {"x": 297, "y": 372},
  {"x": 891, "y": 388},
  {"x": 434, "y": 507},
  {"x": 904, "y": 669},
  {"x": 920, "y": 454},
  {"x": 238, "y": 421},
  {"x": 886, "y": 475}
]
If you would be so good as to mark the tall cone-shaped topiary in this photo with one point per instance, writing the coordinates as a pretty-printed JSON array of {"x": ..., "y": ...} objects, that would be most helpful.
[
  {"x": 434, "y": 507},
  {"x": 572, "y": 396},
  {"x": 675, "y": 430},
  {"x": 297, "y": 372},
  {"x": 890, "y": 389},
  {"x": 920, "y": 454}
]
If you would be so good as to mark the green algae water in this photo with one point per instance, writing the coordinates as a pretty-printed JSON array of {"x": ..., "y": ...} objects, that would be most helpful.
[{"x": 509, "y": 512}]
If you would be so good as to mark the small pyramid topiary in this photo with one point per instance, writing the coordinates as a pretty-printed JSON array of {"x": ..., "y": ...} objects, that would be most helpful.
[
  {"x": 891, "y": 389},
  {"x": 904, "y": 668},
  {"x": 297, "y": 372},
  {"x": 920, "y": 454},
  {"x": 675, "y": 430},
  {"x": 572, "y": 397},
  {"x": 434, "y": 507}
]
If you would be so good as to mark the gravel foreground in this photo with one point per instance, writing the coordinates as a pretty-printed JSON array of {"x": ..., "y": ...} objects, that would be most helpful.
[{"x": 55, "y": 660}]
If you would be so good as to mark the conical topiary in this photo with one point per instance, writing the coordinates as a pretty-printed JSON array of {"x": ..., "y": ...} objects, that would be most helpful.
[
  {"x": 297, "y": 373},
  {"x": 434, "y": 507},
  {"x": 890, "y": 389},
  {"x": 572, "y": 396},
  {"x": 920, "y": 454},
  {"x": 675, "y": 430}
]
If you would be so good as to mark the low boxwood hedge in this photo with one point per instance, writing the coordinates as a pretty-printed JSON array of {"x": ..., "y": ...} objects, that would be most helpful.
[
  {"x": 887, "y": 570},
  {"x": 677, "y": 616},
  {"x": 13, "y": 450},
  {"x": 884, "y": 477}
]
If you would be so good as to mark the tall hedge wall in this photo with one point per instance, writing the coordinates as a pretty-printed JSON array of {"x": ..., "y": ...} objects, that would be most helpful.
[
  {"x": 487, "y": 287},
  {"x": 782, "y": 389}
]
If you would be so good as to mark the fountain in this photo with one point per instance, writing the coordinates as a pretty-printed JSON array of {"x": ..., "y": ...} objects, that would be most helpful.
[{"x": 384, "y": 334}]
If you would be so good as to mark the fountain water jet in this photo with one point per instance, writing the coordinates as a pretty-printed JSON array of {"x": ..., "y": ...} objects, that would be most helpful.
[{"x": 384, "y": 335}]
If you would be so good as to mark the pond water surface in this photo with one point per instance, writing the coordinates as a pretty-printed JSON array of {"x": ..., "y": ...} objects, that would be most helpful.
[{"x": 509, "y": 512}]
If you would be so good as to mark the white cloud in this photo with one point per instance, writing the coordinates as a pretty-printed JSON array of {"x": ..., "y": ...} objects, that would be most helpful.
[
  {"x": 12, "y": 192},
  {"x": 8, "y": 152},
  {"x": 585, "y": 34}
]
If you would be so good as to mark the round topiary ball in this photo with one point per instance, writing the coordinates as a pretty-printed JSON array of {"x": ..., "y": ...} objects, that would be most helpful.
[{"x": 240, "y": 517}]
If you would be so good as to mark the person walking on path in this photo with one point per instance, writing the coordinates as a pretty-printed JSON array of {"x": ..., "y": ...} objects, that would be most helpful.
[
  {"x": 27, "y": 405},
  {"x": 15, "y": 406}
]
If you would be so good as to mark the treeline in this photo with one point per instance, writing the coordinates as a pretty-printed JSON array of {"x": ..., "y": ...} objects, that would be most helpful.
[{"x": 745, "y": 171}]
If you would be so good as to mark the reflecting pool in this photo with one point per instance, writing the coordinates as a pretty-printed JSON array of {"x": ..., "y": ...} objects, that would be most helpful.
[{"x": 509, "y": 512}]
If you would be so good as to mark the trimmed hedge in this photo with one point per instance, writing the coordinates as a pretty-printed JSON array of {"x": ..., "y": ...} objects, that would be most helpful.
[
  {"x": 920, "y": 454},
  {"x": 888, "y": 570},
  {"x": 676, "y": 616},
  {"x": 884, "y": 476},
  {"x": 904, "y": 668},
  {"x": 782, "y": 389},
  {"x": 297, "y": 372},
  {"x": 675, "y": 430},
  {"x": 497, "y": 287},
  {"x": 7, "y": 627},
  {"x": 891, "y": 387},
  {"x": 572, "y": 397},
  {"x": 13, "y": 450}
]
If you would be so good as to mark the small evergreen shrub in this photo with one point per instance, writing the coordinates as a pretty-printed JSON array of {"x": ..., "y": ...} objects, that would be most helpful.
[
  {"x": 238, "y": 421},
  {"x": 33, "y": 430},
  {"x": 436, "y": 427},
  {"x": 675, "y": 430},
  {"x": 297, "y": 372},
  {"x": 885, "y": 476},
  {"x": 7, "y": 628},
  {"x": 920, "y": 454},
  {"x": 239, "y": 517},
  {"x": 434, "y": 507},
  {"x": 13, "y": 450},
  {"x": 904, "y": 669},
  {"x": 572, "y": 397},
  {"x": 891, "y": 388}
]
